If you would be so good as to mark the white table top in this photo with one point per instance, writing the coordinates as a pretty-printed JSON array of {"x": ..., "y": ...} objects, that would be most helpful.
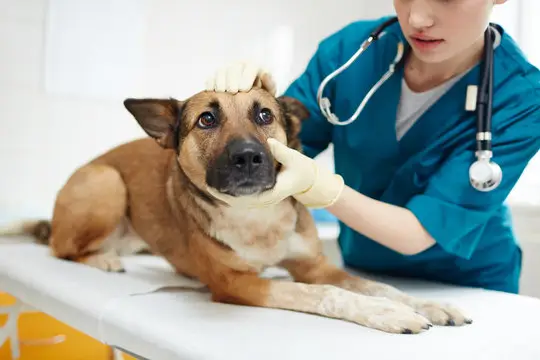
[{"x": 145, "y": 312}]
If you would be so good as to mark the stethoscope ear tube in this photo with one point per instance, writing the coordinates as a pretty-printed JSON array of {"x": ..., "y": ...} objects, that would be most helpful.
[
  {"x": 324, "y": 102},
  {"x": 377, "y": 32},
  {"x": 485, "y": 95},
  {"x": 484, "y": 174}
]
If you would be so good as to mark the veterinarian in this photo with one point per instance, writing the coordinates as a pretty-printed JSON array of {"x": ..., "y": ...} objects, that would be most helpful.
[{"x": 409, "y": 200}]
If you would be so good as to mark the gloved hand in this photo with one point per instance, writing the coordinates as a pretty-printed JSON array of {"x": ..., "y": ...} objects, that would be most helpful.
[
  {"x": 240, "y": 76},
  {"x": 301, "y": 178}
]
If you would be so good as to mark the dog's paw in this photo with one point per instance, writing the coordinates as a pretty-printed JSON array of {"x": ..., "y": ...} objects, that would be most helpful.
[
  {"x": 109, "y": 262},
  {"x": 442, "y": 314},
  {"x": 394, "y": 317}
]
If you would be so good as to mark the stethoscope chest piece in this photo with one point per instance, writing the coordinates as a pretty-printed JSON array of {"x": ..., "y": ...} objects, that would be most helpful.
[{"x": 484, "y": 174}]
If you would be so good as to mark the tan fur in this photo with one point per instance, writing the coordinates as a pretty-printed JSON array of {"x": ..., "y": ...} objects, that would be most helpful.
[{"x": 146, "y": 192}]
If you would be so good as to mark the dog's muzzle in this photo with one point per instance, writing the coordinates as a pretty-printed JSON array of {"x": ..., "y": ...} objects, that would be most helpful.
[{"x": 245, "y": 167}]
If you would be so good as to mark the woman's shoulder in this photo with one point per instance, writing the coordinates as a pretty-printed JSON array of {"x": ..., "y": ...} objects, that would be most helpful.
[
  {"x": 516, "y": 94},
  {"x": 514, "y": 72},
  {"x": 353, "y": 34}
]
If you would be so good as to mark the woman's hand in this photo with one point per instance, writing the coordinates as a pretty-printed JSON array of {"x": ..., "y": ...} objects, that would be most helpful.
[
  {"x": 394, "y": 227},
  {"x": 301, "y": 178},
  {"x": 240, "y": 76}
]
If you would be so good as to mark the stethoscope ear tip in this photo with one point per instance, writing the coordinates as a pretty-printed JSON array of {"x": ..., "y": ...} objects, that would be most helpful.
[{"x": 325, "y": 108}]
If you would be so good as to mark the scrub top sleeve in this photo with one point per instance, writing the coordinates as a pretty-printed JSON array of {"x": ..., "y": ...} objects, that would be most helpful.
[
  {"x": 316, "y": 131},
  {"x": 455, "y": 213}
]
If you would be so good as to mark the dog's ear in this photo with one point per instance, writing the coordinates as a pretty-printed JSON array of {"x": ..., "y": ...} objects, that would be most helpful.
[
  {"x": 158, "y": 118},
  {"x": 294, "y": 112},
  {"x": 293, "y": 107}
]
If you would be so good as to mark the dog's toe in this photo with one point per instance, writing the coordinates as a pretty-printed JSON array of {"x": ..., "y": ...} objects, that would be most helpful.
[
  {"x": 397, "y": 318},
  {"x": 443, "y": 315}
]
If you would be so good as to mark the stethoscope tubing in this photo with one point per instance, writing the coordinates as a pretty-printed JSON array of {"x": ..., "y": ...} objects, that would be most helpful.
[{"x": 482, "y": 104}]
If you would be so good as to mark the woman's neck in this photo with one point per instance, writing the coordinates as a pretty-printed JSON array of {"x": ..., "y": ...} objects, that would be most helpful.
[{"x": 421, "y": 76}]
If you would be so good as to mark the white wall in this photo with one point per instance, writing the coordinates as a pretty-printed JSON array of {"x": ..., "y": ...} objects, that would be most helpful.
[{"x": 63, "y": 77}]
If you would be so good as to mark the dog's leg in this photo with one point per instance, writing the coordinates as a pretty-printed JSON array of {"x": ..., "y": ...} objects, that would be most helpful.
[
  {"x": 88, "y": 209},
  {"x": 317, "y": 270},
  {"x": 228, "y": 282},
  {"x": 324, "y": 300}
]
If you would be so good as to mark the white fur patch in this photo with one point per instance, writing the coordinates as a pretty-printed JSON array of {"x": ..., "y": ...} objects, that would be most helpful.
[
  {"x": 262, "y": 237},
  {"x": 298, "y": 246},
  {"x": 124, "y": 240}
]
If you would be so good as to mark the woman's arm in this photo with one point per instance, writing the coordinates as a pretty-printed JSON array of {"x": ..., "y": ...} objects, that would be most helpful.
[{"x": 392, "y": 226}]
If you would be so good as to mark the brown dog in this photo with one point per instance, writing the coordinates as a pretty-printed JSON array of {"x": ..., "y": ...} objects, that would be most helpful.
[{"x": 150, "y": 194}]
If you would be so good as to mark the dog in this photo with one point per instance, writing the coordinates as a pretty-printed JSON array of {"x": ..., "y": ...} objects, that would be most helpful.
[{"x": 149, "y": 195}]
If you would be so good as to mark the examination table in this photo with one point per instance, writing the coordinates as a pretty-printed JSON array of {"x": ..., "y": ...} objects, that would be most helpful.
[{"x": 181, "y": 322}]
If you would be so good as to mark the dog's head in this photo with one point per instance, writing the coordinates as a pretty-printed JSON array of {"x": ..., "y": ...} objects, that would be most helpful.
[{"x": 220, "y": 138}]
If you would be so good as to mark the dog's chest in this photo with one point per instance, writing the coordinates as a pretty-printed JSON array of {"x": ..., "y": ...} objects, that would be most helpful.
[{"x": 261, "y": 237}]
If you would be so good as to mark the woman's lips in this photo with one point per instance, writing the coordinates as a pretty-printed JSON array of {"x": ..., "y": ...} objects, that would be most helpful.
[{"x": 425, "y": 43}]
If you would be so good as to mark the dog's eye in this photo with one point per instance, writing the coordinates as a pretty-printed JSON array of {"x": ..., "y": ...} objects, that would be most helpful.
[
  {"x": 265, "y": 117},
  {"x": 206, "y": 120}
]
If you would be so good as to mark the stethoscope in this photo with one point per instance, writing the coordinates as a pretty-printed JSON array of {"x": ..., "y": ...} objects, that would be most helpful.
[{"x": 484, "y": 174}]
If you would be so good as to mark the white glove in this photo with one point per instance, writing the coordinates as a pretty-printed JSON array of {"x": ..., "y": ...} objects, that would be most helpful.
[
  {"x": 240, "y": 76},
  {"x": 301, "y": 178}
]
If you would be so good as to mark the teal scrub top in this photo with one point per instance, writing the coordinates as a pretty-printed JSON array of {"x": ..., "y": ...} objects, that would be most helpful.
[{"x": 427, "y": 170}]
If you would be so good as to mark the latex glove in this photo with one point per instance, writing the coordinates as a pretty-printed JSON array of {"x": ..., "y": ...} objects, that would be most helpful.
[
  {"x": 300, "y": 177},
  {"x": 240, "y": 76}
]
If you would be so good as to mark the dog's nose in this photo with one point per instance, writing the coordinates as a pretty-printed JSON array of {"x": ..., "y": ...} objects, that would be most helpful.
[{"x": 247, "y": 156}]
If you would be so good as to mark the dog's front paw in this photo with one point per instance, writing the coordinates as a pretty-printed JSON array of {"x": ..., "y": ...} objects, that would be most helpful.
[
  {"x": 394, "y": 317},
  {"x": 442, "y": 314}
]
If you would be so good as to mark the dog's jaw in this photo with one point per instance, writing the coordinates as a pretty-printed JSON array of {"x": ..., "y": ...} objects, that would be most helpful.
[
  {"x": 251, "y": 189},
  {"x": 246, "y": 189}
]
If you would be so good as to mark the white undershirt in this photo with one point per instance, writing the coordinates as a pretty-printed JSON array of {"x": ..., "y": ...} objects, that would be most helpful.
[{"x": 413, "y": 104}]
